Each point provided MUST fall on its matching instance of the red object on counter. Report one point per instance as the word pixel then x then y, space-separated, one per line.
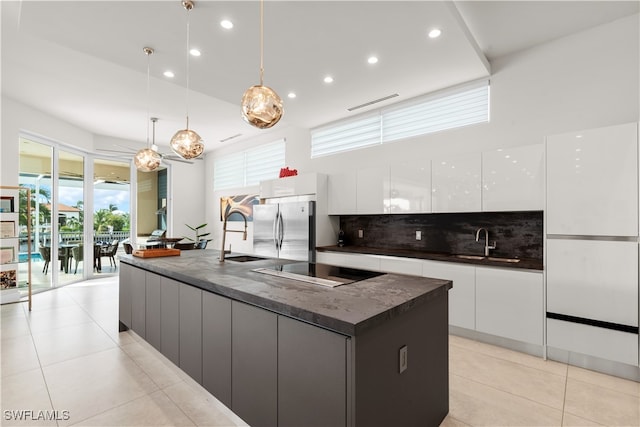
pixel 285 172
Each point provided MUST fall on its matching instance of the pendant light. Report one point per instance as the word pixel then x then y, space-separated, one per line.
pixel 147 159
pixel 187 143
pixel 261 105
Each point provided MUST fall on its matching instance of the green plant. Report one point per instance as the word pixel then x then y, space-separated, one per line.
pixel 199 236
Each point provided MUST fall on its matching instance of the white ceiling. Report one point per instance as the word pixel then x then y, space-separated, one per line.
pixel 82 61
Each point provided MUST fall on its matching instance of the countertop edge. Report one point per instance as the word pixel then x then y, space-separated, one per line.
pixel 524 264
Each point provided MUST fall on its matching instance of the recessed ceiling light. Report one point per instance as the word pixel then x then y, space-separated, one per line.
pixel 169 74
pixel 291 95
pixel 372 60
pixel 195 52
pixel 328 79
pixel 435 33
pixel 226 24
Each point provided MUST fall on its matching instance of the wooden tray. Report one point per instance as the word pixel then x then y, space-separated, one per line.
pixel 153 253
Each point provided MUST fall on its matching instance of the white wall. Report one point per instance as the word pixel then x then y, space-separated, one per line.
pixel 17 117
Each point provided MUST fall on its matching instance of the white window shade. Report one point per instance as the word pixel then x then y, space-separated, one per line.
pixel 447 109
pixel 249 167
pixel 264 162
pixel 355 133
pixel 453 108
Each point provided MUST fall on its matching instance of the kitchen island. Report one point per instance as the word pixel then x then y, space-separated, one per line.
pixel 282 352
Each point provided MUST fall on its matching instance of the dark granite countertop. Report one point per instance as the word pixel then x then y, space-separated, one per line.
pixel 349 309
pixel 524 263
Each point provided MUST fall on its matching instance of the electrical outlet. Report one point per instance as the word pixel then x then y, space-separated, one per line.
pixel 360 234
pixel 402 361
pixel 418 235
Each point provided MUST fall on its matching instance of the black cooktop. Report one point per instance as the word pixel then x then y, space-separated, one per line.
pixel 329 275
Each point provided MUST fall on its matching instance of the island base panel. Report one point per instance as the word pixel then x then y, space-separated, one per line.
pixel 420 395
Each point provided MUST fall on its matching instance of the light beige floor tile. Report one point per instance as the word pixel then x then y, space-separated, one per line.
pixel 153 363
pixel 603 405
pixel 503 353
pixel 14 326
pixel 571 420
pixel 11 310
pixel 54 298
pixel 55 318
pixel 603 380
pixel 92 384
pixel 155 409
pixel 530 383
pixel 18 355
pixel 70 342
pixel 480 405
pixel 25 391
pixel 202 407
pixel 449 421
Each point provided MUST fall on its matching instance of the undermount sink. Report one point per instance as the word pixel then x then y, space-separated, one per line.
pixel 474 257
pixel 512 260
pixel 488 258
pixel 243 258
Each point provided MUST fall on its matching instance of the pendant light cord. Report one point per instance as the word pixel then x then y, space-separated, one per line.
pixel 148 51
pixel 188 7
pixel 261 42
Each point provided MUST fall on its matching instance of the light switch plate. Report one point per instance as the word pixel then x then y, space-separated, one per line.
pixel 418 235
pixel 360 234
pixel 403 359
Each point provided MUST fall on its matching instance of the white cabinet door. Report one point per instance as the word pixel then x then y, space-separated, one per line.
pixel 593 279
pixel 594 341
pixel 362 261
pixel 513 179
pixel 509 303
pixel 455 185
pixel 372 190
pixel 342 193
pixel 462 297
pixel 290 186
pixel 400 265
pixel 592 182
pixel 410 187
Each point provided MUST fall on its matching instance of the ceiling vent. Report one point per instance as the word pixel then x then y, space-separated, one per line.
pixel 230 137
pixel 375 101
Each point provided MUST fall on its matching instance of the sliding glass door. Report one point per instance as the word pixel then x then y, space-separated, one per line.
pixel 80 212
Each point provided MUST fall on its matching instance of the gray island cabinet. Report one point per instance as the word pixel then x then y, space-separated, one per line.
pixel 280 352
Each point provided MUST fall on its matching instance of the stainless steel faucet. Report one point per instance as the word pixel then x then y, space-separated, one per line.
pixel 225 231
pixel 486 241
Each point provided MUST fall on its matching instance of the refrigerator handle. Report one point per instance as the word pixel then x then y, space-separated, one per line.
pixel 275 231
pixel 280 229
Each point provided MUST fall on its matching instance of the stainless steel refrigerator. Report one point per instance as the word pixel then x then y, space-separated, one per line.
pixel 285 230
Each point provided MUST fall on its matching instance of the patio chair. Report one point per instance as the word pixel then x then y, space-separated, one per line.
pixel 110 252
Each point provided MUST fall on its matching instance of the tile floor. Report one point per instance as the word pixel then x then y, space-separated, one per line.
pixel 67 356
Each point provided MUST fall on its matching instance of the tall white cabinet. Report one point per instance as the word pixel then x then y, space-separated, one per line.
pixel 592 242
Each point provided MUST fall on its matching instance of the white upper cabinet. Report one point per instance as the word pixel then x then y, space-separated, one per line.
pixel 372 194
pixel 592 182
pixel 456 184
pixel 513 179
pixel 410 188
pixel 290 186
pixel 342 189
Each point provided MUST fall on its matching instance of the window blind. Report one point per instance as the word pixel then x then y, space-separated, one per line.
pixel 249 167
pixel 447 109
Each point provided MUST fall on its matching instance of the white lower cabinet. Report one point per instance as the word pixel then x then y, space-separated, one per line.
pixel 364 262
pixel 398 265
pixel 509 304
pixel 462 297
pixel 604 343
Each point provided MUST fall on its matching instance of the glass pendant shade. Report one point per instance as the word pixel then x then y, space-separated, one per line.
pixel 261 107
pixel 147 160
pixel 187 144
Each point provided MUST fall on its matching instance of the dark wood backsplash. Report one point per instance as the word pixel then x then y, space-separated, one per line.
pixel 517 234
